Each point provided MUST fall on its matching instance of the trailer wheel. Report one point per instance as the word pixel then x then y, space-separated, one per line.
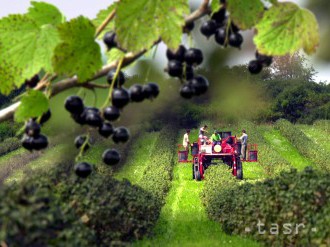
pixel 239 171
pixel 198 176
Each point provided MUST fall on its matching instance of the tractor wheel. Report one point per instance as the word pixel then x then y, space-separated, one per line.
pixel 193 171
pixel 198 176
pixel 239 170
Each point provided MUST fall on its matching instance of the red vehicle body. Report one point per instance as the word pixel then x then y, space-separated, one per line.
pixel 205 155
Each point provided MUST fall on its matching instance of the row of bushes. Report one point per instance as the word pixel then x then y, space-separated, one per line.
pixel 158 173
pixel 305 145
pixel 57 208
pixel 323 125
pixel 271 161
pixel 9 145
pixel 290 210
pixel 9 129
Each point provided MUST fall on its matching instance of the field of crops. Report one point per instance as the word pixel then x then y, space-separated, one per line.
pixel 184 210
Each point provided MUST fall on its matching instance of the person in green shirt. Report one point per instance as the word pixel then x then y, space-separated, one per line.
pixel 215 138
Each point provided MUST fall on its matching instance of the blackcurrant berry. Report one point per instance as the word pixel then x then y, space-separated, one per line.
pixel 111 113
pixel 32 128
pixel 220 36
pixel 106 130
pixel 91 110
pixel 200 84
pixel 208 28
pixel 189 73
pixel 45 117
pixel 189 27
pixel 79 142
pixel 74 104
pixel 33 81
pixel 120 97
pixel 175 68
pixel 264 59
pixel 120 80
pixel 147 91
pixel 93 118
pixel 110 40
pixel 187 91
pixel 176 55
pixel 255 67
pixel 79 118
pixel 40 142
pixel 155 89
pixel 121 134
pixel 136 92
pixel 219 16
pixel 83 169
pixel 193 56
pixel 27 142
pixel 234 28
pixel 111 157
pixel 235 40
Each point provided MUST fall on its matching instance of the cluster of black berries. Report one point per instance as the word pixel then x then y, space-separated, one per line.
pixel 92 116
pixel 181 64
pixel 32 139
pixel 225 33
pixel 255 66
pixel 95 118
pixel 136 93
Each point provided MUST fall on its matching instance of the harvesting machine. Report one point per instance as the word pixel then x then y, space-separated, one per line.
pixel 225 152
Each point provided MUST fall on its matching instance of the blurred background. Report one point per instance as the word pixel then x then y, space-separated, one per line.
pixel 295 87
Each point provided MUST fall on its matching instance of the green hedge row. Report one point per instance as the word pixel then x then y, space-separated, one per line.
pixel 9 145
pixel 323 125
pixel 305 145
pixel 59 209
pixel 158 174
pixel 271 161
pixel 8 129
pixel 290 210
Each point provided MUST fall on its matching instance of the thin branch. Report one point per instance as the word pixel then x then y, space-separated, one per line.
pixel 200 12
pixel 105 23
pixel 8 113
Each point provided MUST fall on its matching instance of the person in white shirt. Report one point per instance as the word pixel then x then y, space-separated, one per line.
pixel 244 139
pixel 186 141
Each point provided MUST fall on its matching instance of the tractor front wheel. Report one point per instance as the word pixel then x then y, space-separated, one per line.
pixel 239 171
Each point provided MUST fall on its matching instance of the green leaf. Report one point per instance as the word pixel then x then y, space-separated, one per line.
pixel 272 1
pixel 115 55
pixel 8 75
pixel 26 46
pixel 44 13
pixel 245 14
pixel 215 6
pixel 140 23
pixel 286 28
pixel 101 16
pixel 78 53
pixel 33 104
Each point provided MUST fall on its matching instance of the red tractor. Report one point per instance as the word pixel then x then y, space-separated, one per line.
pixel 227 151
